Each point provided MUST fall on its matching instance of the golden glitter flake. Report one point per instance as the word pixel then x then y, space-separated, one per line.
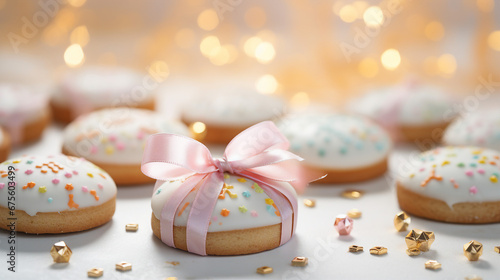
pixel 378 250
pixel 432 264
pixel 402 221
pixel 123 266
pixel 352 194
pixel 264 270
pixel 131 227
pixel 95 272
pixel 413 252
pixel 310 203
pixel 473 250
pixel 355 249
pixel 299 261
pixel 174 263
pixel 420 239
pixel 354 213
pixel 60 252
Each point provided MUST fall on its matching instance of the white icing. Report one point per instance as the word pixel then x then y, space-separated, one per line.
pixel 103 87
pixel 116 135
pixel 233 107
pixel 258 213
pixel 467 166
pixel 480 129
pixel 20 104
pixel 422 105
pixel 76 171
pixel 336 141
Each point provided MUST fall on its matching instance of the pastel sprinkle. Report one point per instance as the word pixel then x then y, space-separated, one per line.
pixel 55 181
pixel 480 171
pixel 445 163
pixel 28 172
pixel 269 201
pixel 242 180
pixel 94 193
pixel 343 150
pixel 412 175
pixel 16 161
pixel 158 191
pixel 100 186
pixel 110 150
pixel 242 209
pixel 493 179
pixel 42 189
pixel 224 212
pixel 94 150
pixel 469 173
pixel 257 188
pixel 246 194
pixel 2 185
pixel 29 185
pixel 29 162
pixel 461 164
pixel 50 199
pixel 321 152
pixel 112 138
pixel 120 146
pixel 473 190
pixel 473 165
pixel 254 213
pixel 215 218
pixel 422 169
pixel 75 172
pixel 68 187
pixel 90 175
pixel 85 189
pixel 67 175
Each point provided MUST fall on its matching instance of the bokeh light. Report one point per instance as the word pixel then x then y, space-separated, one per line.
pixel 264 53
pixel 391 59
pixel 74 56
pixel 368 67
pixel 434 31
pixel 208 20
pixel 373 16
pixel 447 64
pixel 80 36
pixel 494 40
pixel 266 84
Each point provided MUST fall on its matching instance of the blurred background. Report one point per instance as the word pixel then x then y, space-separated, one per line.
pixel 306 51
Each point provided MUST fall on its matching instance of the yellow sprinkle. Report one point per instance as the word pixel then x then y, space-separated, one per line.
pixel 16 161
pixel 477 152
pixel 434 165
pixel 110 150
pixel 482 161
pixel 445 163
pixel 90 175
pixel 412 175
pixel 241 180
pixel 493 179
pixel 104 140
pixel 269 201
pixel 226 176
pixel 42 189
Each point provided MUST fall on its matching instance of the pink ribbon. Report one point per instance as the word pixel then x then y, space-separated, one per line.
pixel 259 153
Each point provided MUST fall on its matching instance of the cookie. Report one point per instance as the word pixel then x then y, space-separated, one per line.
pixel 94 88
pixel 348 148
pixel 4 145
pixel 54 194
pixel 453 184
pixel 227 112
pixel 245 219
pixel 481 129
pixel 114 140
pixel 24 112
pixel 410 111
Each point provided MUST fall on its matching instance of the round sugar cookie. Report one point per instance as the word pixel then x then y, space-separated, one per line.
pixel 54 194
pixel 453 184
pixel 347 148
pixel 114 140
pixel 245 219
pixel 97 87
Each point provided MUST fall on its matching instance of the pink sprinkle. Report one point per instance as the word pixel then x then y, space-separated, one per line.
pixel 214 219
pixel 75 172
pixel 94 150
pixel 55 181
pixel 2 185
pixel 112 138
pixel 28 172
pixel 469 173
pixel 254 213
pixel 422 169
pixel 67 175
pixel 100 186
pixel 120 146
pixel 473 190
pixel 85 189
pixel 480 171
pixel 140 135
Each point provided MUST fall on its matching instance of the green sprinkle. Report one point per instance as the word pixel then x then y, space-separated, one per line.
pixel 242 209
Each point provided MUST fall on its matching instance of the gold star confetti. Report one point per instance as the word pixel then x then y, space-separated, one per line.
pixel 497 249
pixel 95 272
pixel 378 250
pixel 432 264
pixel 299 261
pixel 310 203
pixel 473 250
pixel 60 252
pixel 174 263
pixel 355 248
pixel 413 252
pixel 352 194
pixel 123 266
pixel 264 270
pixel 420 239
pixel 131 227
pixel 402 221
pixel 354 213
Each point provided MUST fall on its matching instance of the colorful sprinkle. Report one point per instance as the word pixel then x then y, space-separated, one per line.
pixel 90 175
pixel 16 161
pixel 224 212
pixel 71 203
pixel 254 213
pixel 75 172
pixel 242 209
pixel 55 181
pixel 68 175
pixel 50 199
pixel 494 179
pixel 28 172
pixel 473 190
pixel 321 152
pixel 42 189
pixel 469 173
pixel 94 150
pixel 112 138
pixel 182 209
pixel 110 150
pixel 2 185
pixel 242 180
pixel 473 165
pixel 157 192
pixel 85 189
pixel 455 185
pixel 269 201
pixel 29 162
pixel 29 185
pixel 226 176
pixel 257 188
pixel 432 176
pixel 94 193
pixel 343 150
pixel 246 194
pixel 445 163
pixel 461 164
pixel 480 171
pixel 120 146
pixel 68 187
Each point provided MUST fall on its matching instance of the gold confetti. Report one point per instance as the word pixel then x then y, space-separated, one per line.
pixel 264 270
pixel 378 250
pixel 354 213
pixel 355 248
pixel 309 203
pixel 413 252
pixel 432 264
pixel 131 227
pixel 402 221
pixel 60 252
pixel 174 263
pixel 95 272
pixel 497 249
pixel 352 194
pixel 299 261
pixel 123 266
pixel 420 239
pixel 473 250
pixel 473 277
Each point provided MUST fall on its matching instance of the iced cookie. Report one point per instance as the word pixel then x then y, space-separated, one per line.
pixel 226 113
pixel 24 112
pixel 54 194
pixel 245 219
pixel 4 145
pixel 348 148
pixel 481 129
pixel 410 111
pixel 95 88
pixel 453 184
pixel 114 140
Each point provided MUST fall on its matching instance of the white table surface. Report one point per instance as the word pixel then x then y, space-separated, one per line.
pixel 315 238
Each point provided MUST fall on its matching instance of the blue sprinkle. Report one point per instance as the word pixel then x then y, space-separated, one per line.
pixel 321 152
pixel 29 162
pixel 310 144
pixel 158 191
pixel 270 209
pixel 343 150
pixel 246 194
pixel 473 165
pixel 50 199
pixel 360 146
pixel 379 146
pixel 475 157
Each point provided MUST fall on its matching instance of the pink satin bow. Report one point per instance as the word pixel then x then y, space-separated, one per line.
pixel 258 153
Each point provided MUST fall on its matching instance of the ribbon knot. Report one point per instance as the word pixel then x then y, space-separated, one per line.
pixel 223 165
